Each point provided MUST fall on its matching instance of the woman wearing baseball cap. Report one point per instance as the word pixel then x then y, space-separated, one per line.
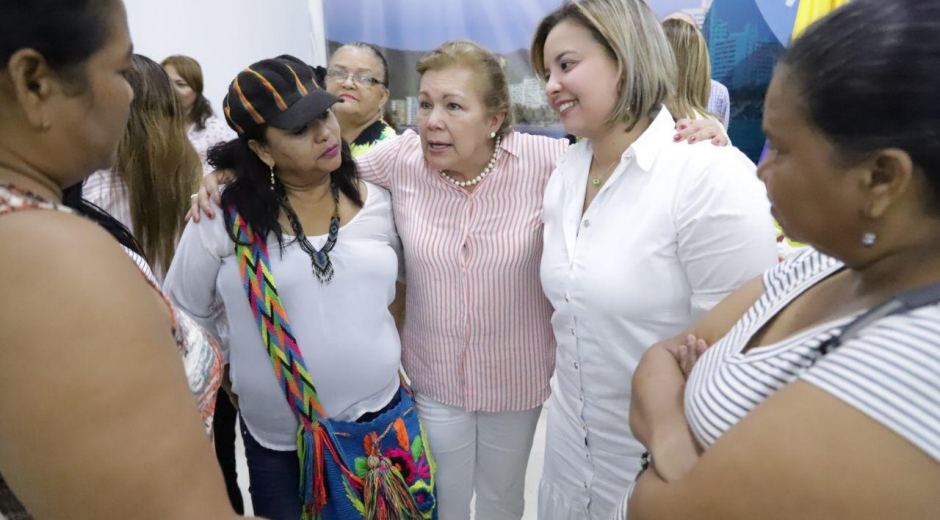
pixel 305 263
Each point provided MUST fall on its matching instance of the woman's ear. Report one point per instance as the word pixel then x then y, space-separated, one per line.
pixel 385 96
pixel 34 84
pixel 261 150
pixel 496 121
pixel 887 180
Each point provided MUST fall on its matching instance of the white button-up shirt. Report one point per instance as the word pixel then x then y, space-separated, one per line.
pixel 675 229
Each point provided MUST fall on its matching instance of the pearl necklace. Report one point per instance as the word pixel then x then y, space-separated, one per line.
pixel 486 171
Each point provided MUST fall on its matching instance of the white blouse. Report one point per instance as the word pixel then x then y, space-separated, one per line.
pixel 675 229
pixel 105 189
pixel 216 131
pixel 344 329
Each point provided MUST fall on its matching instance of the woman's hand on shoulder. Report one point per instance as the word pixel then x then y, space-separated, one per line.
pixel 209 191
pixel 701 130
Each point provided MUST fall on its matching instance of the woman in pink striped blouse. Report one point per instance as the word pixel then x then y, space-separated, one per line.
pixel 477 344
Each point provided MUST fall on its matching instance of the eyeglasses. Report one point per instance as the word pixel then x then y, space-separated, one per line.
pixel 340 76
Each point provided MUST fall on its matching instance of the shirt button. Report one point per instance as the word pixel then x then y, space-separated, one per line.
pixel 572 331
pixel 581 397
pixel 567 297
pixel 587 223
pixel 576 365
pixel 585 485
pixel 628 156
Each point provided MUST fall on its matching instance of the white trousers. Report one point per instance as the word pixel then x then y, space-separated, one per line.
pixel 484 452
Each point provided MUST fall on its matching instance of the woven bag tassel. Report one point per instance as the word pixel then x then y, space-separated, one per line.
pixel 312 470
pixel 385 494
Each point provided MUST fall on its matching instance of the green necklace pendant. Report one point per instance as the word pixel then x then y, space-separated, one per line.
pixel 596 182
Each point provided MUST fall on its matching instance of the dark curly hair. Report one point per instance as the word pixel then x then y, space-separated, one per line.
pixel 251 191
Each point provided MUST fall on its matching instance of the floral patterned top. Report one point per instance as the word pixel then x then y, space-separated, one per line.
pixel 199 351
pixel 371 136
pixel 216 131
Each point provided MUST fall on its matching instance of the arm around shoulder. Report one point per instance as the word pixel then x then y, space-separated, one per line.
pixel 380 164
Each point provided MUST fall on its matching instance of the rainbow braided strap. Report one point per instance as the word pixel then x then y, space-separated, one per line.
pixel 383 492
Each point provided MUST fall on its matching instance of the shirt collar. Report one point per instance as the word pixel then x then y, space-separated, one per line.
pixel 659 134
pixel 647 147
pixel 511 143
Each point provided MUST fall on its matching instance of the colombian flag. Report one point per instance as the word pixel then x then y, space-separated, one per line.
pixel 812 10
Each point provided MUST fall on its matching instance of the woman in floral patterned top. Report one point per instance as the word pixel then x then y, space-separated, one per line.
pixel 358 73
pixel 94 405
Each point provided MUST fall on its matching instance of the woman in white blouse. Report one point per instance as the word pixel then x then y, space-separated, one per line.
pixel 297 186
pixel 203 127
pixel 642 236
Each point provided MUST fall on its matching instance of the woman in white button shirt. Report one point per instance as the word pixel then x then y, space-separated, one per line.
pixel 642 236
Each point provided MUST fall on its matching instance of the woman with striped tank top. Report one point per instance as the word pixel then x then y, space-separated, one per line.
pixel 787 414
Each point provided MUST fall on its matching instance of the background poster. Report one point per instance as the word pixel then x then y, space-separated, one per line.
pixel 744 38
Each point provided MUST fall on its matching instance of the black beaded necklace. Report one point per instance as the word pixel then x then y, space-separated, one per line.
pixel 320 260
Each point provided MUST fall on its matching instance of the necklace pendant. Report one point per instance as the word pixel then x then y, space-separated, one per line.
pixel 596 182
pixel 322 266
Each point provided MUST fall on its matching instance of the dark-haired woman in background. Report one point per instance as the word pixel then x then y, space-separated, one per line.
pixel 792 425
pixel 203 127
pixel 335 262
pixel 358 73
pixel 94 405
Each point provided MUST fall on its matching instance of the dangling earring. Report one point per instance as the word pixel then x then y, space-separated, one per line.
pixel 868 239
pixel 492 135
pixel 272 177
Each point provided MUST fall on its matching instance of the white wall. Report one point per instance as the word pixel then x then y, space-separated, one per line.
pixel 226 36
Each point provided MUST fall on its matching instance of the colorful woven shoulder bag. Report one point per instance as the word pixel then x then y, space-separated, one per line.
pixel 377 470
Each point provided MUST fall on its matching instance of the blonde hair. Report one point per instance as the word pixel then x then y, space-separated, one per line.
pixel 468 54
pixel 156 162
pixel 694 70
pixel 630 33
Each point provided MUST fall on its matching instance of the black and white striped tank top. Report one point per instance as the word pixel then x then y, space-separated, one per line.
pixel 890 371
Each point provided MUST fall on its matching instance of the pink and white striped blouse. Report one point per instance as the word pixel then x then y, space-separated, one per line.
pixel 478 332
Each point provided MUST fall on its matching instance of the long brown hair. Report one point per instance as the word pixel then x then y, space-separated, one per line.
pixel 156 162
pixel 191 72
pixel 693 84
